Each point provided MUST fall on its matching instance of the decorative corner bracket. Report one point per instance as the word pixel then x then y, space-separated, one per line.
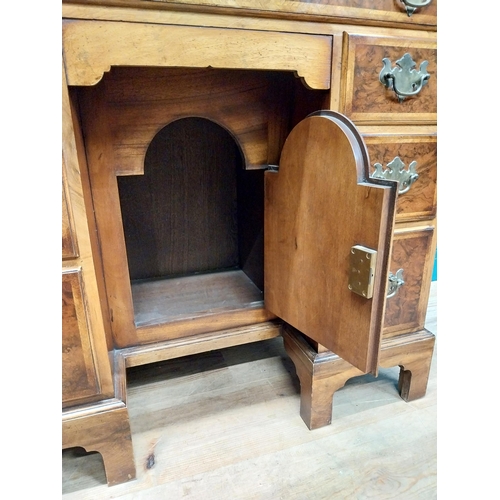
pixel 395 171
pixel 404 79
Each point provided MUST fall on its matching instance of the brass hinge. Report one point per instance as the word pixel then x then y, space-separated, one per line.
pixel 362 271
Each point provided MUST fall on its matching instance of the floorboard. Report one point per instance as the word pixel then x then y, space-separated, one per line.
pixel 226 424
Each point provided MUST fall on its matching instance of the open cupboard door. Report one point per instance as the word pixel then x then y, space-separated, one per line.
pixel 327 232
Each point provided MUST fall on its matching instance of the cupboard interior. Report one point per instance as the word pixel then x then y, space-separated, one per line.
pixel 193 225
pixel 193 212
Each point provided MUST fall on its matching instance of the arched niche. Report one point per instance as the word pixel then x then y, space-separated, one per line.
pixel 256 106
pixel 195 209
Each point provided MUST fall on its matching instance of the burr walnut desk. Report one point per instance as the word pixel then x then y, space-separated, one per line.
pixel 235 171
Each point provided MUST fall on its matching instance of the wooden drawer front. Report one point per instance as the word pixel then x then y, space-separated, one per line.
pixel 383 6
pixel 388 11
pixel 419 201
pixel 79 373
pixel 92 47
pixel 366 100
pixel 413 252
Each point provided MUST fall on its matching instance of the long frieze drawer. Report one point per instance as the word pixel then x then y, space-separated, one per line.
pixel 79 373
pixel 389 80
pixel 411 262
pixel 412 161
pixel 383 11
pixel 91 48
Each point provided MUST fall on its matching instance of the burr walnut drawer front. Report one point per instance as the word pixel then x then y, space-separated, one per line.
pixel 412 161
pixel 389 80
pixel 404 12
pixel 80 380
pixel 411 262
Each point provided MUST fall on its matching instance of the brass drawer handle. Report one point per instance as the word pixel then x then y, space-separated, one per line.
pixel 395 171
pixel 395 283
pixel 413 5
pixel 404 79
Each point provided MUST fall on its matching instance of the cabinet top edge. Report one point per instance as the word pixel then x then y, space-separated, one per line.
pixel 321 13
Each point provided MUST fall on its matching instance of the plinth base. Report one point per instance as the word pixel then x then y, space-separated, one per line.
pixel 321 374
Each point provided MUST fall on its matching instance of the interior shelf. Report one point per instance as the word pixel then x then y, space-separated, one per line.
pixel 189 297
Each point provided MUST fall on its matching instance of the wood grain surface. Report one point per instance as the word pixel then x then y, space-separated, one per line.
pixel 384 12
pixel 420 202
pixel 80 378
pixel 367 100
pixel 92 48
pixel 318 206
pixel 226 424
pixel 413 252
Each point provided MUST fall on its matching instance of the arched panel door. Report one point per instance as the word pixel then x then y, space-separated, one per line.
pixel 318 206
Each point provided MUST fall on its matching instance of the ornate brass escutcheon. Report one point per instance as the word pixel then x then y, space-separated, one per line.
pixel 413 5
pixel 395 283
pixel 362 274
pixel 395 171
pixel 404 79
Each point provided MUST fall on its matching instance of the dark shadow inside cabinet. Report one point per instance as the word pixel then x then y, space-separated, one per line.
pixel 183 151
pixel 193 224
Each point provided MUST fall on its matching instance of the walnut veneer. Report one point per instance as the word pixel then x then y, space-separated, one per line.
pixel 218 166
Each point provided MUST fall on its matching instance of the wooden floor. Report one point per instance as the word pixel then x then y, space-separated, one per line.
pixel 226 425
